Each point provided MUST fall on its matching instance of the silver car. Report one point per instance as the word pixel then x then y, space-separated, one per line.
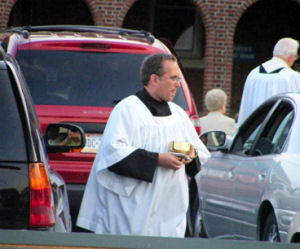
pixel 249 188
pixel 294 229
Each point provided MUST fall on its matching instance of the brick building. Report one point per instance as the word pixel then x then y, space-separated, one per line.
pixel 218 41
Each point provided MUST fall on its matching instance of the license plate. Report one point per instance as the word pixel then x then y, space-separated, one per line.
pixel 92 143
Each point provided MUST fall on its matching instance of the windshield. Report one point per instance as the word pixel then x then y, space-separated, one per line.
pixel 83 78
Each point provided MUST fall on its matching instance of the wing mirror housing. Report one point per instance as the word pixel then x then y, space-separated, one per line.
pixel 214 140
pixel 64 137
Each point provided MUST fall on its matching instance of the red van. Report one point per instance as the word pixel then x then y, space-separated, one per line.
pixel 76 74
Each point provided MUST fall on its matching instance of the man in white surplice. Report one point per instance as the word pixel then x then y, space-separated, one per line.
pixel 135 186
pixel 270 78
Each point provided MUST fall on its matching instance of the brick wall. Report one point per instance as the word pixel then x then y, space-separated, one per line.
pixel 220 18
pixel 5 9
pixel 109 12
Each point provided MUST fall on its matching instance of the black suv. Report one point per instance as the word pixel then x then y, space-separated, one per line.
pixel 32 196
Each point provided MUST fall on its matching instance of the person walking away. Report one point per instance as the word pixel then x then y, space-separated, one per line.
pixel 270 78
pixel 136 187
pixel 215 101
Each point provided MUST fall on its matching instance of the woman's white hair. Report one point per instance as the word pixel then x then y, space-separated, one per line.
pixel 215 99
pixel 286 47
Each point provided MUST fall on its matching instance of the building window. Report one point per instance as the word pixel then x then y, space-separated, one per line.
pixel 191 41
pixel 175 20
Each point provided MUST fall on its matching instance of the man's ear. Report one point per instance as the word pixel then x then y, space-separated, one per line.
pixel 154 78
pixel 291 60
pixel 223 108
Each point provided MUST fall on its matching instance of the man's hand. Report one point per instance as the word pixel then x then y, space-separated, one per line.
pixel 170 161
pixel 193 154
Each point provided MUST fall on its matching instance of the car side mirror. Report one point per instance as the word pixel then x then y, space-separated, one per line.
pixel 64 137
pixel 213 140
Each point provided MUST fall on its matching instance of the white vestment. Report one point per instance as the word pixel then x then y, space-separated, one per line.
pixel 261 86
pixel 114 204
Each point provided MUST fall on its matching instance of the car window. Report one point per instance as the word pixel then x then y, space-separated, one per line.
pixel 12 140
pixel 32 115
pixel 282 132
pixel 273 137
pixel 248 133
pixel 83 78
pixel 250 140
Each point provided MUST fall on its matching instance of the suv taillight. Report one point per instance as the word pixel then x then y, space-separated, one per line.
pixel 196 122
pixel 42 211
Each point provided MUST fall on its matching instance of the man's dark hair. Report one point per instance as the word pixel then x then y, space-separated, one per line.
pixel 153 64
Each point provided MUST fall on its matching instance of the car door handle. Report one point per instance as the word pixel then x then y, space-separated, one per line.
pixel 262 176
pixel 230 173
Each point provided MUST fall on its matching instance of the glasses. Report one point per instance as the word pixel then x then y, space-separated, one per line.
pixel 175 79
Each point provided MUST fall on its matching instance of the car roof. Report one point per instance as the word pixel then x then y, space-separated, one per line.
pixel 79 33
pixel 119 39
pixel 288 95
pixel 71 36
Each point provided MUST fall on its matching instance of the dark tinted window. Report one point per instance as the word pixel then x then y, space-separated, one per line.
pixel 83 78
pixel 12 142
pixel 276 131
pixel 32 116
pixel 246 138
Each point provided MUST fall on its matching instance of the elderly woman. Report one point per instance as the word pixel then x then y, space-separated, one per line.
pixel 215 101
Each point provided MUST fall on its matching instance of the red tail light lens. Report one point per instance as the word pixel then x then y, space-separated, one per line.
pixel 42 211
pixel 196 122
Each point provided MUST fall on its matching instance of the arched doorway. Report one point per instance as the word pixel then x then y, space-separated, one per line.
pixel 258 30
pixel 47 12
pixel 179 22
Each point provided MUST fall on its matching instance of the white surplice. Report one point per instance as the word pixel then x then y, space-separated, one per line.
pixel 114 204
pixel 261 86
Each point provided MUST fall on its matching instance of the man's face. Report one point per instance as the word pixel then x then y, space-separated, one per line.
pixel 169 81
